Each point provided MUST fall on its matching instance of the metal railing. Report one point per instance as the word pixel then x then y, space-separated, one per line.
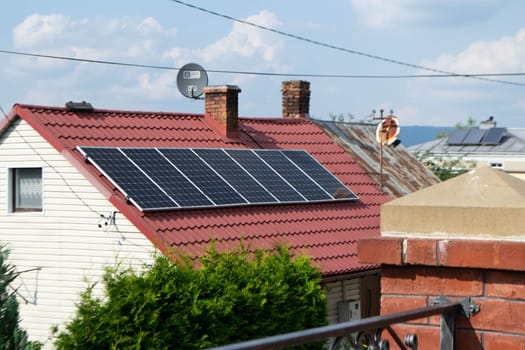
pixel 353 335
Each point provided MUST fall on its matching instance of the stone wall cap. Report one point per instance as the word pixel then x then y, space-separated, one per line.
pixel 482 187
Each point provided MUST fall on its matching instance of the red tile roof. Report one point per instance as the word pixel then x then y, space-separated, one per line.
pixel 327 232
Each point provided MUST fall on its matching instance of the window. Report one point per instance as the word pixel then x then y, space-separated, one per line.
pixel 26 189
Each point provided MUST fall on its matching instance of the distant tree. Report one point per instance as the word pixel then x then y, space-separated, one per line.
pixel 444 169
pixel 345 118
pixel 442 135
pixel 12 337
pixel 470 123
pixel 233 296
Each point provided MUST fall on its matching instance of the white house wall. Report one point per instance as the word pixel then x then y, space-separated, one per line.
pixel 63 247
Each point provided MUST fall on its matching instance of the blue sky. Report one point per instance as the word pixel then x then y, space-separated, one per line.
pixel 460 36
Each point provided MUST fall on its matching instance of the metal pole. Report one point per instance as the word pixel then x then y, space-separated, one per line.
pixel 447 327
pixel 381 161
pixel 381 136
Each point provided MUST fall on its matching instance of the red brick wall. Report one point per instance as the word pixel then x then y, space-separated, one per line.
pixel 419 270
pixel 222 109
pixel 295 98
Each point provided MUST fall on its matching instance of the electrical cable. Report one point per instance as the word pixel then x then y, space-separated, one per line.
pixel 307 75
pixel 343 49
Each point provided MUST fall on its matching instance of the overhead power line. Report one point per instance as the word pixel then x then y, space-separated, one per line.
pixel 343 49
pixel 306 75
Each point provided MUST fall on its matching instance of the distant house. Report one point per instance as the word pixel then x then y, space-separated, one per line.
pixel 66 211
pixel 401 172
pixel 486 145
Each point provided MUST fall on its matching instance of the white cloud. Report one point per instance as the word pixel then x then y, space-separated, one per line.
pixel 137 40
pixel 39 30
pixel 459 98
pixel 119 37
pixel 497 56
pixel 248 47
pixel 243 41
pixel 447 101
pixel 404 13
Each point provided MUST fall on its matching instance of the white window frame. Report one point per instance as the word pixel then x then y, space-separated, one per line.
pixel 9 190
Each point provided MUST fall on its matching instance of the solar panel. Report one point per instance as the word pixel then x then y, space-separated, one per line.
pixel 167 177
pixel 457 137
pixel 236 176
pixel 175 178
pixel 207 180
pixel 291 173
pixel 474 137
pixel 322 176
pixel 493 136
pixel 266 176
pixel 129 179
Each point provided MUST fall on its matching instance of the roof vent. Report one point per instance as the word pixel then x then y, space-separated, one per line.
pixel 79 106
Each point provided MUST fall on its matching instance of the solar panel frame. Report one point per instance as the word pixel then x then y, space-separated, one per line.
pixel 493 136
pixel 267 176
pixel 168 177
pixel 318 173
pixel 231 171
pixel 155 179
pixel 205 177
pixel 290 172
pixel 474 137
pixel 457 137
pixel 136 186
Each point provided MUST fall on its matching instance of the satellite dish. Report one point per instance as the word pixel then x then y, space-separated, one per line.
pixel 191 79
pixel 388 130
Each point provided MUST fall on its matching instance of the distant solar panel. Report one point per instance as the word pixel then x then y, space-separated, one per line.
pixel 174 178
pixel 493 136
pixel 457 137
pixel 474 137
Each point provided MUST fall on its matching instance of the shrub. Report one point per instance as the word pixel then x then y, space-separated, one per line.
pixel 233 296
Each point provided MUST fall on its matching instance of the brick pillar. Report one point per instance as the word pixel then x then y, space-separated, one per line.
pixel 296 99
pixel 414 271
pixel 222 109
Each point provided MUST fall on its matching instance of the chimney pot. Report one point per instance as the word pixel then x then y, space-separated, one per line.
pixel 295 99
pixel 222 109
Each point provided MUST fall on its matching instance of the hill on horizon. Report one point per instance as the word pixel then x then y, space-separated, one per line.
pixel 415 134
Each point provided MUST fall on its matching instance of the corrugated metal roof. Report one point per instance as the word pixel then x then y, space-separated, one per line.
pixel 402 172
pixel 328 232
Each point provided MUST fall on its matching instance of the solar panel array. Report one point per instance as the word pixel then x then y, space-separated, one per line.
pixel 178 178
pixel 476 137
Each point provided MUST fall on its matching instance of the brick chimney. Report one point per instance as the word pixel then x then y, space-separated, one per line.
pixel 222 109
pixel 296 99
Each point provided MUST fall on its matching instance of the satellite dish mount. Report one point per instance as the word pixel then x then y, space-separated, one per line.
pixel 191 80
pixel 387 132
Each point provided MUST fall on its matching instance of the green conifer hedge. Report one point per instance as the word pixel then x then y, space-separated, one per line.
pixel 231 297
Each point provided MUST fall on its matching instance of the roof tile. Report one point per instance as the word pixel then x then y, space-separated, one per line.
pixel 327 232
